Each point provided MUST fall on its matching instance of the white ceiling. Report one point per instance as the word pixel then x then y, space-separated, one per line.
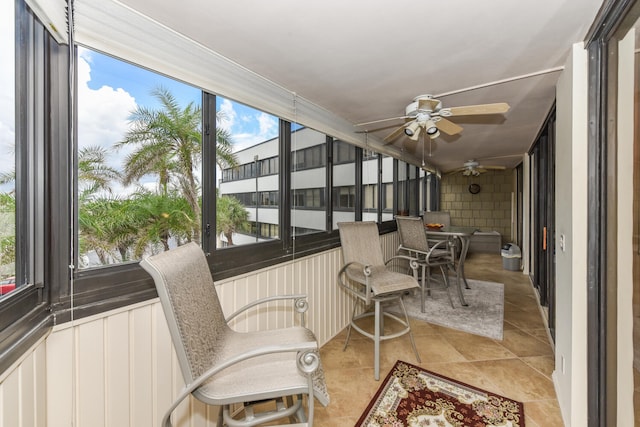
pixel 367 60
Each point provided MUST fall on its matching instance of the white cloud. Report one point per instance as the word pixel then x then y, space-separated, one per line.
pixel 103 116
pixel 268 125
pixel 103 113
pixel 228 115
pixel 248 129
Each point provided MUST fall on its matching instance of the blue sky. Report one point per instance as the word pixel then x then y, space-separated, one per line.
pixel 106 71
pixel 107 77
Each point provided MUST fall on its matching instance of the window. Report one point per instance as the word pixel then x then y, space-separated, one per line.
pixel 247 153
pixel 7 151
pixel 138 161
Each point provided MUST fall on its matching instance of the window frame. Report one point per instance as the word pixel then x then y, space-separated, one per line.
pixel 25 315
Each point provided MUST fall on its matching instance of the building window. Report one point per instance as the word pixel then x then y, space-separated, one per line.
pixel 344 198
pixel 308 198
pixel 343 152
pixel 309 158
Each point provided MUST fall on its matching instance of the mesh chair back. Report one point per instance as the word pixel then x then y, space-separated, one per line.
pixel 361 243
pixel 412 234
pixel 191 306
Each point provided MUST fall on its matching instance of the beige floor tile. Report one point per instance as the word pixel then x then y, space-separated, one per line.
pixel 474 347
pixel 523 344
pixel 517 380
pixel 464 372
pixel 543 364
pixel 544 413
pixel 524 319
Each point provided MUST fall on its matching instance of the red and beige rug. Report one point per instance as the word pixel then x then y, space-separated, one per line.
pixel 412 396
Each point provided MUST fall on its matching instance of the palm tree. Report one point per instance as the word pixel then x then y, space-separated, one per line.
pixel 7 230
pixel 160 219
pixel 109 227
pixel 94 172
pixel 224 145
pixel 169 145
pixel 231 215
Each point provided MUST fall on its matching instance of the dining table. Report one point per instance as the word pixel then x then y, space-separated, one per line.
pixel 463 235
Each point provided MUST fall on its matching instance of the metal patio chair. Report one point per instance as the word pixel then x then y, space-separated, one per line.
pixel 366 276
pixel 223 367
pixel 428 254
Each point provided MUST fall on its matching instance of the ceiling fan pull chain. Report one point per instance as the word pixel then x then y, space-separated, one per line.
pixel 423 150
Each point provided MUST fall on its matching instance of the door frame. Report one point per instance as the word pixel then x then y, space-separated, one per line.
pixel 614 20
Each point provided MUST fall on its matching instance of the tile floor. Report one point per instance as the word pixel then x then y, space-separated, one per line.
pixel 518 367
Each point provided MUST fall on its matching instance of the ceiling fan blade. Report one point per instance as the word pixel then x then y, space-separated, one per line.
pixel 451 172
pixel 428 104
pixel 471 110
pixel 395 134
pixel 448 126
pixel 381 120
pixel 494 168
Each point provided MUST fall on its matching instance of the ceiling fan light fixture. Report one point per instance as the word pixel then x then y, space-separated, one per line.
pixel 431 128
pixel 412 128
pixel 416 134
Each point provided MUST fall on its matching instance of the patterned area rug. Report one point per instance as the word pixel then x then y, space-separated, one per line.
pixel 413 397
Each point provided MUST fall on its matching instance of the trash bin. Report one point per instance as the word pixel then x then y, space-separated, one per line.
pixel 511 256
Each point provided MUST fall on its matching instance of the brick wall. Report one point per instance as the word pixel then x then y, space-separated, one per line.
pixel 488 210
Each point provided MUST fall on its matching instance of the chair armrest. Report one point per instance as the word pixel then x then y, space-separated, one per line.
pixel 306 362
pixel 440 245
pixel 413 261
pixel 366 269
pixel 299 303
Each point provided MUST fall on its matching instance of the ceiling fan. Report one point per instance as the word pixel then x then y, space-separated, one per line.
pixel 426 114
pixel 473 168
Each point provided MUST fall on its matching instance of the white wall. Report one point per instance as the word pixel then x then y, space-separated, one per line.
pixel 626 90
pixel 570 375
